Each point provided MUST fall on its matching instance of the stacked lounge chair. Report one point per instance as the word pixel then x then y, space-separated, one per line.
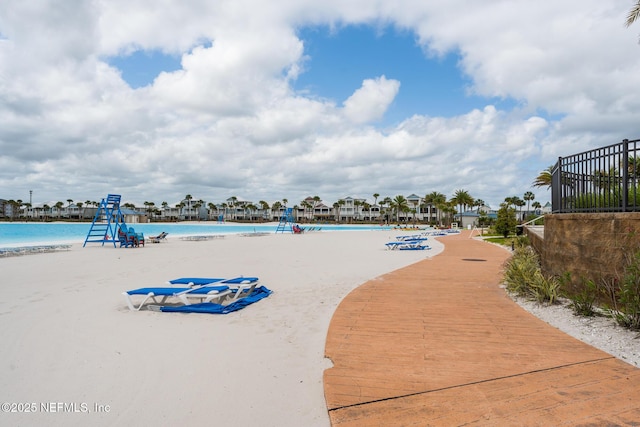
pixel 408 243
pixel 186 290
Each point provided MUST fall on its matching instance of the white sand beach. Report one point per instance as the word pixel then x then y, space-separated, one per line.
pixel 71 345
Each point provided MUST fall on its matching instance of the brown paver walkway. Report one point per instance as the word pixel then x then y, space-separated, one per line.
pixel 440 343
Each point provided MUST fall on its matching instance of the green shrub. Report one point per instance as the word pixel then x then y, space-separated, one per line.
pixel 520 270
pixel 583 302
pixel 606 199
pixel 505 221
pixel 597 200
pixel 627 309
pixel 522 276
pixel 521 242
pixel 545 288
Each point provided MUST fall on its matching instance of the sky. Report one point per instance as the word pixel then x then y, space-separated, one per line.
pixel 295 98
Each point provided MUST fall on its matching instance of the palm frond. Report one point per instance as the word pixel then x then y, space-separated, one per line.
pixel 634 14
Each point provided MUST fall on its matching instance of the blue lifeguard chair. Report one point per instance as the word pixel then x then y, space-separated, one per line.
pixel 286 221
pixel 106 222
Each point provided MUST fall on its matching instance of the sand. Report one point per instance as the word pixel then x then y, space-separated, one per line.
pixel 73 353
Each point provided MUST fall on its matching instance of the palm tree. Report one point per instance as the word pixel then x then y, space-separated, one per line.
pixel 634 14
pixel 265 208
pixel 148 206
pixel 316 202
pixel 632 166
pixel 336 207
pixel 536 205
pixel 15 206
pixel 366 206
pixel 164 207
pixel 212 207
pixel 27 206
pixel 251 208
pixel 414 210
pixel 510 201
pixel 224 207
pixel 449 209
pixel 232 205
pixel 58 207
pixel 544 178
pixel 305 205
pixel 179 206
pixel 400 204
pixel 528 197
pixel 516 202
pixel 436 199
pixel 462 199
pixel 197 206
pixel 356 210
pixel 188 198
pixel 87 203
pixel 276 207
pixel 341 203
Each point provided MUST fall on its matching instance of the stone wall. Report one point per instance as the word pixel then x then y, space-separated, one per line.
pixel 591 246
pixel 535 239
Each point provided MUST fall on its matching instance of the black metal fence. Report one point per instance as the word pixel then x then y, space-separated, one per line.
pixel 601 180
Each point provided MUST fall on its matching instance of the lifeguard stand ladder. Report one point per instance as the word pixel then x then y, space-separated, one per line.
pixel 286 221
pixel 106 222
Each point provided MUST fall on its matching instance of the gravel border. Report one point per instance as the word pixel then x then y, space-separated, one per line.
pixel 598 331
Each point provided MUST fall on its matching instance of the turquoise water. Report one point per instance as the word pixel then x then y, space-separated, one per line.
pixel 25 234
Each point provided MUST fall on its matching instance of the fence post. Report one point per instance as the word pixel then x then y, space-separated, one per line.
pixel 625 174
pixel 556 190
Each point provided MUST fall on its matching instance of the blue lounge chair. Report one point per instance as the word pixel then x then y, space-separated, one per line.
pixel 413 246
pixel 213 308
pixel 411 237
pixel 202 289
pixel 183 294
pixel 407 245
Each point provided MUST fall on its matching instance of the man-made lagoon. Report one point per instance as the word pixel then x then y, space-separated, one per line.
pixel 14 234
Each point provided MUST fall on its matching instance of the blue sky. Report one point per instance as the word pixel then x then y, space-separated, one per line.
pixel 340 59
pixel 141 67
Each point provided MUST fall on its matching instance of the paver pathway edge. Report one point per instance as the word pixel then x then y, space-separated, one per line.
pixel 440 343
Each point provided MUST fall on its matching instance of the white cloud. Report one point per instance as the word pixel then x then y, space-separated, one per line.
pixel 229 123
pixel 371 101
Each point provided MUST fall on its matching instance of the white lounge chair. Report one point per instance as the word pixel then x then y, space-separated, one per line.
pixel 200 289
pixel 206 293
pixel 239 286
